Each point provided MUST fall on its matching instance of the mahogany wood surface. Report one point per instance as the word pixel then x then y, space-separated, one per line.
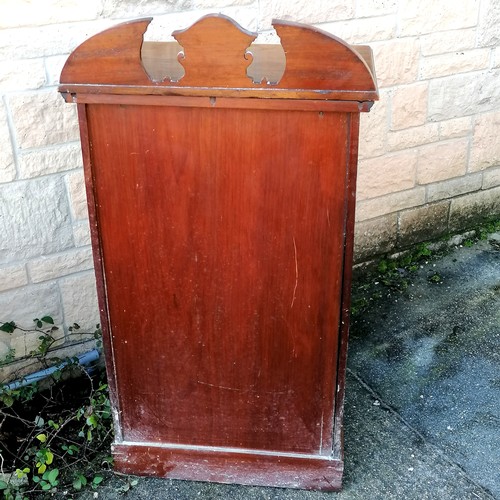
pixel 218 253
pixel 222 211
pixel 215 58
pixel 229 466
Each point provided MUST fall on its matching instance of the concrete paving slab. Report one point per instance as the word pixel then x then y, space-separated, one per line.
pixel 433 355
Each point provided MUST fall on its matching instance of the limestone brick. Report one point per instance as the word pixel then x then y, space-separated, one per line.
pixel 43 118
pixel 22 74
pixel 394 202
pixel 15 13
pixel 464 94
pixel 78 198
pixel 53 68
pixel 314 11
pixel 427 16
pixel 116 9
pixel 24 343
pixel 12 276
pixel 489 24
pixel 367 8
pixel 386 174
pixel 79 300
pixel 357 31
pixel 49 40
pixel 21 305
pixel 440 161
pixel 412 137
pixel 491 178
pixel 423 223
pixel 409 106
pixel 33 163
pixel 485 150
pixel 456 127
pixel 81 233
pixel 454 62
pixel 375 237
pixel 397 61
pixel 219 4
pixel 54 266
pixel 454 187
pixel 466 211
pixel 34 215
pixel 7 165
pixel 164 24
pixel 443 42
pixel 373 129
pixel 4 351
pixel 496 57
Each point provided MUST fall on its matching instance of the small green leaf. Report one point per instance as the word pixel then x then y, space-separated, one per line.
pixel 8 327
pixel 53 476
pixel 39 421
pixel 21 473
pixel 3 485
pixel 42 438
pixel 46 486
pixel 53 424
pixel 48 319
pixel 97 480
pixel 92 421
pixel 79 482
pixel 41 469
pixel 7 400
pixel 49 458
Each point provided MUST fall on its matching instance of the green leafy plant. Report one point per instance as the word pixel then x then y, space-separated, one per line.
pixel 55 437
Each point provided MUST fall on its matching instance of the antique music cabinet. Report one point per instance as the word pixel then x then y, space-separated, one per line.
pixel 220 183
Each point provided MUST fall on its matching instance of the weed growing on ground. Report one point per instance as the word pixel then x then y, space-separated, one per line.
pixel 394 275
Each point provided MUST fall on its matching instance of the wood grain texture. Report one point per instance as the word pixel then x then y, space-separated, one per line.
pixel 227 103
pixel 225 466
pixel 215 53
pixel 232 276
pixel 216 56
pixel 110 57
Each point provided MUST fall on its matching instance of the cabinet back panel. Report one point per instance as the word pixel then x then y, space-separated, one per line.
pixel 222 234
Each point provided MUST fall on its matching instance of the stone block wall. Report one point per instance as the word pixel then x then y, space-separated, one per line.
pixel 429 152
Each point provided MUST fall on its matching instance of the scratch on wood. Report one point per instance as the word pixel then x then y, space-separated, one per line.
pixel 296 272
pixel 321 433
pixel 219 386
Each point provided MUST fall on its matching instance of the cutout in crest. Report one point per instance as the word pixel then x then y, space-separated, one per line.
pixel 269 61
pixel 159 53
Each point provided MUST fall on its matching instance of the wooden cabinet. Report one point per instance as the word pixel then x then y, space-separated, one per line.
pixel 221 213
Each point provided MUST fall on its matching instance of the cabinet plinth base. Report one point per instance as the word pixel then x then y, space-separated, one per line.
pixel 230 466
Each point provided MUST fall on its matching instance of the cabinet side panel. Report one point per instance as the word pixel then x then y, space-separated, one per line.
pixel 98 267
pixel 350 201
pixel 222 238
